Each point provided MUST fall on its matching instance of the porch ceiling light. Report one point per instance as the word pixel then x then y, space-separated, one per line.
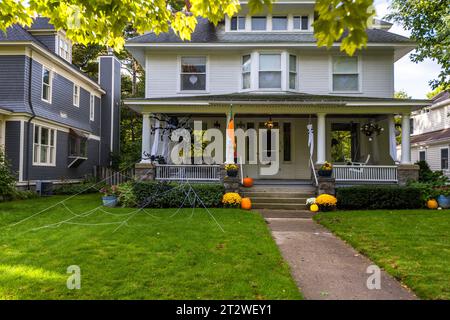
pixel 269 124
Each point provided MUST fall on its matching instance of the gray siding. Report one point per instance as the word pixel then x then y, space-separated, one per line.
pixel 48 40
pixel 12 145
pixel 13 83
pixel 61 171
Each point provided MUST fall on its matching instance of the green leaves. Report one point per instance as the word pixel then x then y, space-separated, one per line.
pixel 346 19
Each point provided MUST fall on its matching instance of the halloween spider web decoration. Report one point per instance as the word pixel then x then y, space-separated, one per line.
pixel 185 186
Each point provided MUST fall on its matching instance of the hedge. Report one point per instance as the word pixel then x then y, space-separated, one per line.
pixel 153 194
pixel 378 197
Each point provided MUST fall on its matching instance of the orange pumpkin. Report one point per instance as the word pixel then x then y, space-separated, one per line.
pixel 246 203
pixel 248 182
pixel 432 204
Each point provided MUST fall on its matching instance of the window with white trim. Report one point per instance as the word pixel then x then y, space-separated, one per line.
pixel 292 72
pixel 246 71
pixel 444 159
pixel 76 95
pixel 270 71
pixel 279 23
pixel 237 23
pixel 46 85
pixel 422 155
pixel 44 146
pixel 193 73
pixel 345 72
pixel 301 22
pixel 64 49
pixel 259 23
pixel 92 107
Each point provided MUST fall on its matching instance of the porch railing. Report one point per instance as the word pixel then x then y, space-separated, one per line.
pixel 169 172
pixel 365 173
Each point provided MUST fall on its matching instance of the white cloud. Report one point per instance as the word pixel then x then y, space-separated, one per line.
pixel 409 76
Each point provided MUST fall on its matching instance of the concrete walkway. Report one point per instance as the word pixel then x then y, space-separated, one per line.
pixel 325 267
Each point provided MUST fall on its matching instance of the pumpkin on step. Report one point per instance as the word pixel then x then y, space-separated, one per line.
pixel 246 203
pixel 248 182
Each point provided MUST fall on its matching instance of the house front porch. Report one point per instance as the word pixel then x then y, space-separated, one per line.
pixel 357 135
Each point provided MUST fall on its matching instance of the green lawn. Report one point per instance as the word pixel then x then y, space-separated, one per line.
pixel 413 245
pixel 157 255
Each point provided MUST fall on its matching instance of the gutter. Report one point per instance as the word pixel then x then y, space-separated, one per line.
pixel 30 103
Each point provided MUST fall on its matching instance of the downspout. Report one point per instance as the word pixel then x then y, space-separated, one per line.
pixel 30 103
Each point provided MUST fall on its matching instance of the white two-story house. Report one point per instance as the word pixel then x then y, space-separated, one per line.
pixel 267 69
pixel 430 134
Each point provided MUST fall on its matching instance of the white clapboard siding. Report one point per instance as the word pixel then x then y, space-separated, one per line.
pixel 314 72
pixel 435 119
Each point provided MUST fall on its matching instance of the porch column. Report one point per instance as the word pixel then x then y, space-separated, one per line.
pixel 145 138
pixel 392 139
pixel 321 138
pixel 229 144
pixel 406 144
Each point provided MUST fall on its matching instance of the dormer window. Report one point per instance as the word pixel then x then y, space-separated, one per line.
pixel 301 22
pixel 270 71
pixel 259 23
pixel 237 23
pixel 279 23
pixel 64 50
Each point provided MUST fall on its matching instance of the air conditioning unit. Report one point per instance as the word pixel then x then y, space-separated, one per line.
pixel 44 188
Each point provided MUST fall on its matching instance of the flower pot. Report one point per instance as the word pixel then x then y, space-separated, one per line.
pixel 109 201
pixel 325 173
pixel 444 202
pixel 232 173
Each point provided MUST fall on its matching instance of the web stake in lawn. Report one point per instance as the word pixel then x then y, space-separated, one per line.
pixel 190 195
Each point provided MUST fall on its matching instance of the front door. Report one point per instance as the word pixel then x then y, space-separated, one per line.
pixel 285 156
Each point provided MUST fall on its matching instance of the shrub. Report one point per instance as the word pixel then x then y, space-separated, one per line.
pixel 428 176
pixel 326 202
pixel 379 197
pixel 231 200
pixel 152 194
pixel 7 180
pixel 79 188
pixel 127 198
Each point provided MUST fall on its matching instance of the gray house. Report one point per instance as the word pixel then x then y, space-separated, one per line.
pixel 55 122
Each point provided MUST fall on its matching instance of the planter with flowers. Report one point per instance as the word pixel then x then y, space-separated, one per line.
pixel 326 170
pixel 326 202
pixel 232 170
pixel 231 200
pixel 110 195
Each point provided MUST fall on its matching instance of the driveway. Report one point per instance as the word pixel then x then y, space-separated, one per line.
pixel 324 266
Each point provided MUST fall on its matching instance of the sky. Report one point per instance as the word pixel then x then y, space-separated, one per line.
pixel 409 76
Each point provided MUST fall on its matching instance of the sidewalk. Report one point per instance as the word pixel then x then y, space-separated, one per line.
pixel 325 267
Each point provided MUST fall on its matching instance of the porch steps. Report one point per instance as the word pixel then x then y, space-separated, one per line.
pixel 274 197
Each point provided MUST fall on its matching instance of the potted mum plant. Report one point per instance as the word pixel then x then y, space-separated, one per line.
pixel 232 170
pixel 110 195
pixel 326 170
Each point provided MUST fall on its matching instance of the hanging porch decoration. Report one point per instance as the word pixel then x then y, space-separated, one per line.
pixel 371 129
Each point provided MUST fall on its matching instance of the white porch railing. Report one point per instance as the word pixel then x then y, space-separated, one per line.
pixel 170 172
pixel 365 173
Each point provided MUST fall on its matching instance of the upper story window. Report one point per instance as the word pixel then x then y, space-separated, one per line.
pixel 246 71
pixel 64 49
pixel 76 95
pixel 193 74
pixel 270 71
pixel 259 23
pixel 92 107
pixel 279 23
pixel 46 85
pixel 292 72
pixel 345 74
pixel 301 22
pixel 44 147
pixel 237 23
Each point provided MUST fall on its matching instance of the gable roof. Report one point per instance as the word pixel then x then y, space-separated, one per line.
pixel 206 32
pixel 41 23
pixel 432 136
